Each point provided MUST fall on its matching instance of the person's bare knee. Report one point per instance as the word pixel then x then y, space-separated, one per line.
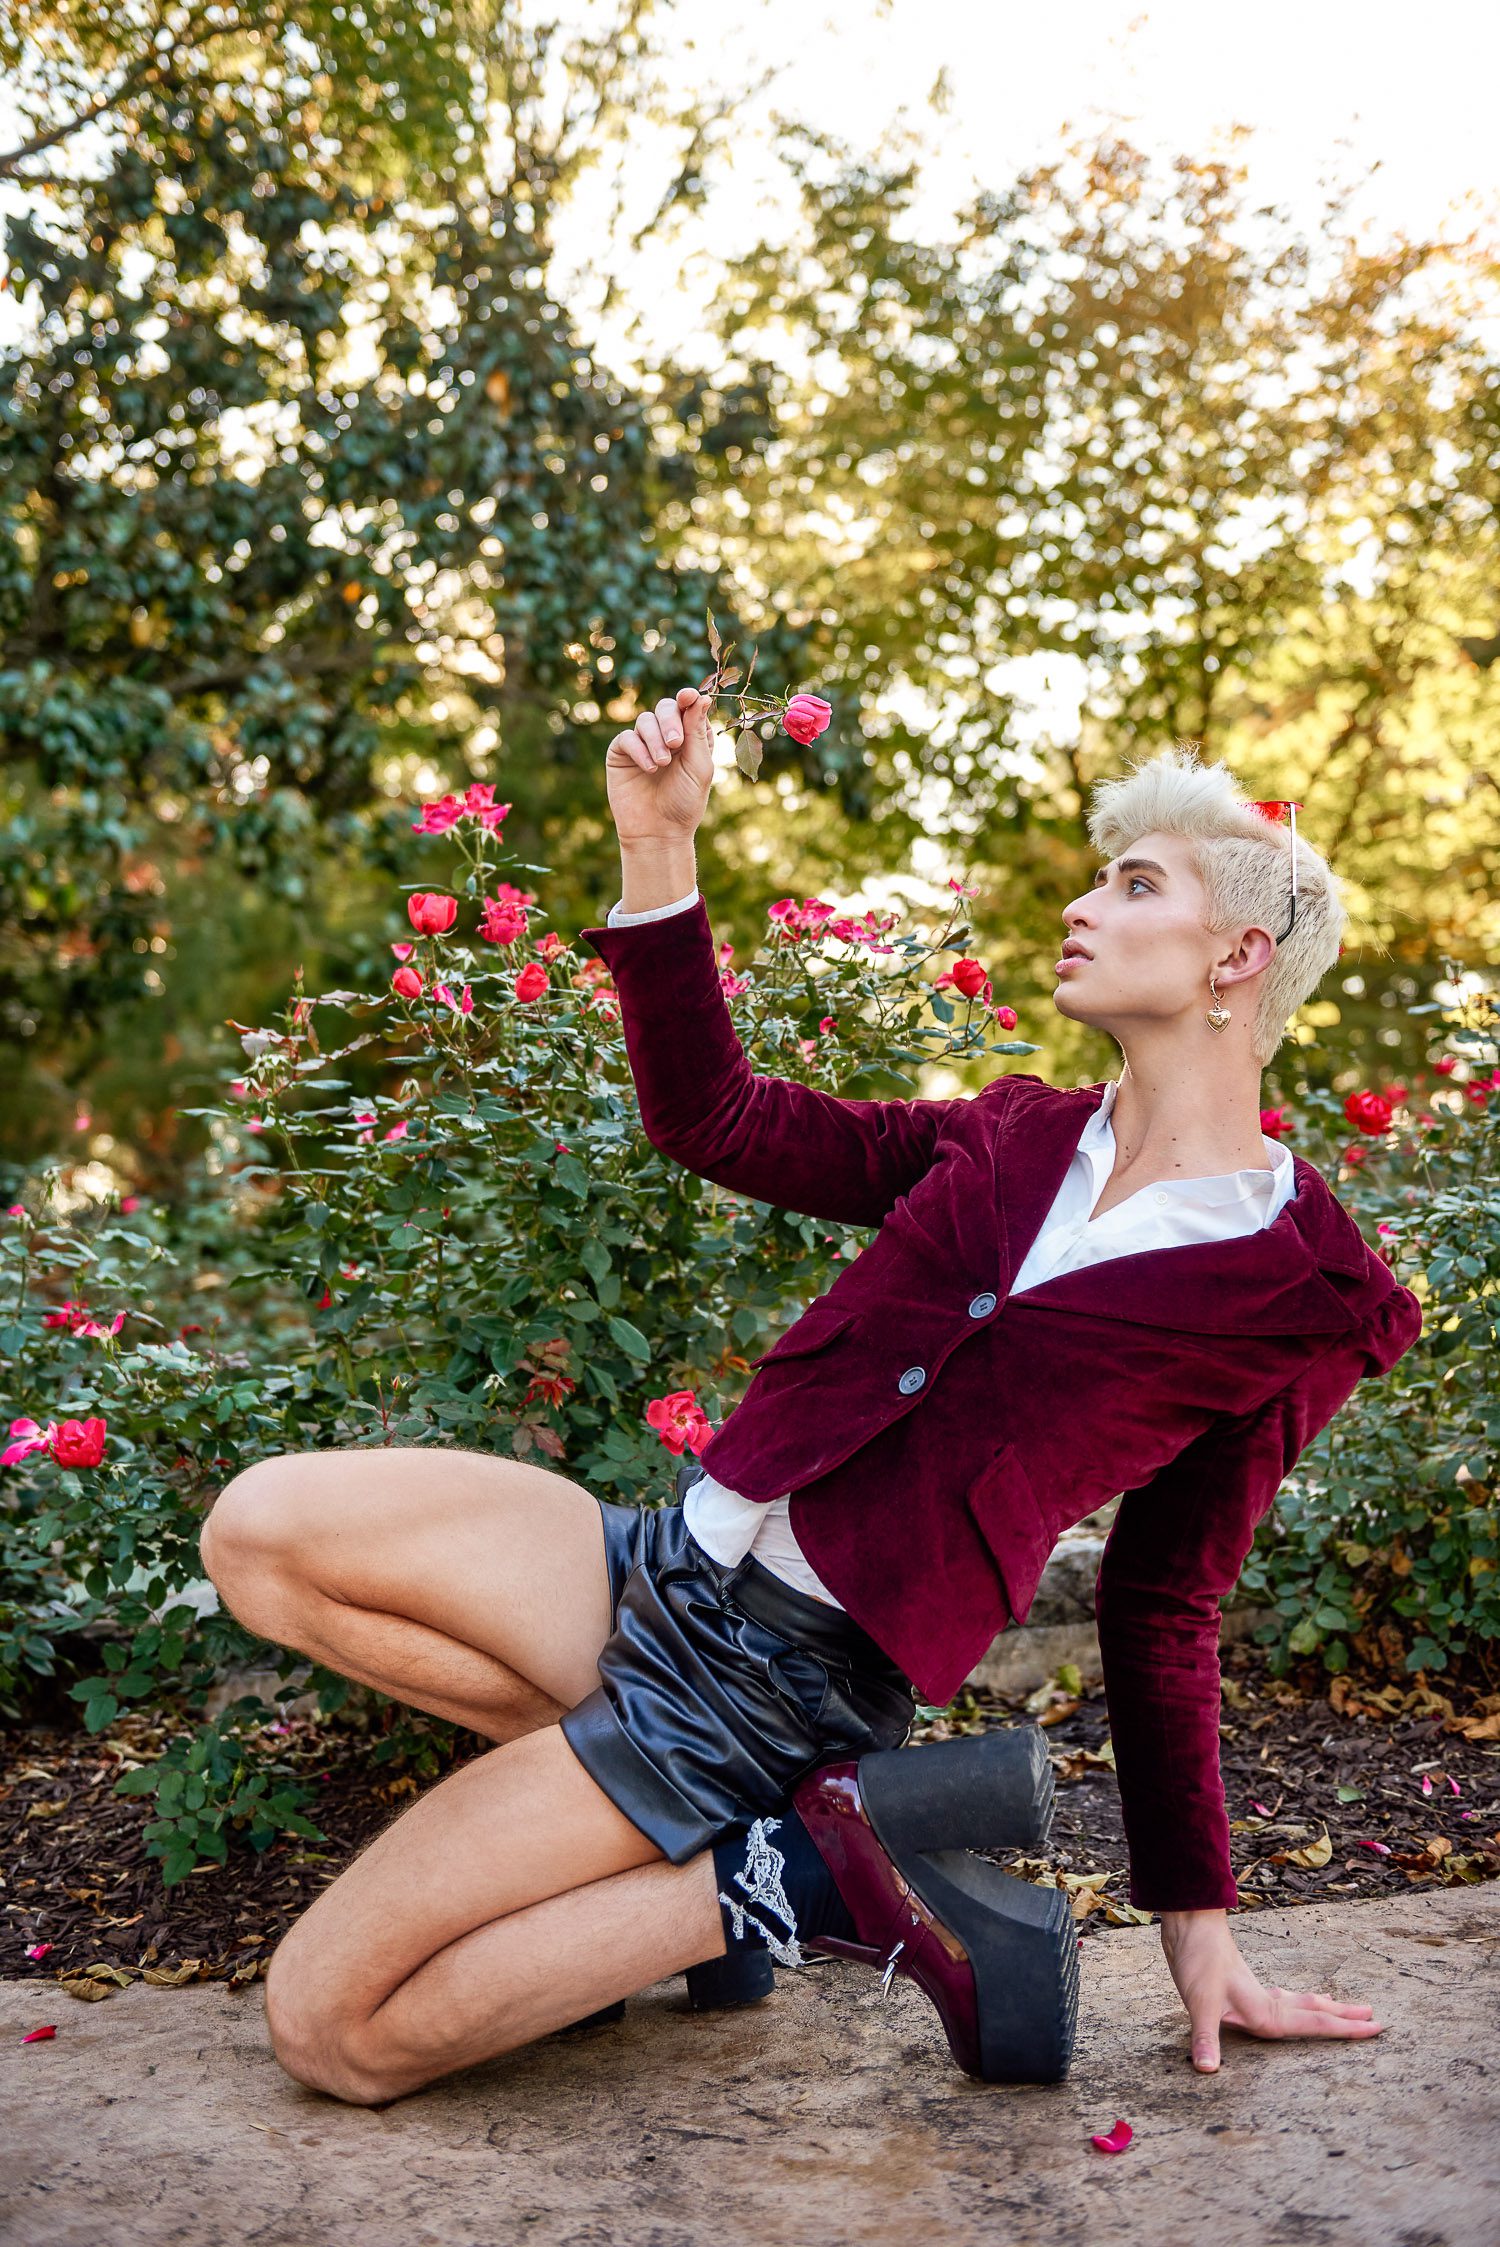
pixel 247 1544
pixel 313 2053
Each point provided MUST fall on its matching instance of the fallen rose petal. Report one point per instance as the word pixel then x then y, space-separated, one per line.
pixel 1426 1782
pixel 1457 1789
pixel 1379 1846
pixel 1260 1806
pixel 1116 2140
pixel 35 2036
pixel 39 1950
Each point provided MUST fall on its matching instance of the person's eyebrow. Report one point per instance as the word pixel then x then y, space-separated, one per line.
pixel 1137 865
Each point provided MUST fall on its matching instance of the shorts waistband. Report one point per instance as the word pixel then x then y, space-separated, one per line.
pixel 798 1616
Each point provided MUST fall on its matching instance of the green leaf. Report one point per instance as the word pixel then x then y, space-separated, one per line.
pixel 630 1339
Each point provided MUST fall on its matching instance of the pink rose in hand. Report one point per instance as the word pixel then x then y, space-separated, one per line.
pixel 806 716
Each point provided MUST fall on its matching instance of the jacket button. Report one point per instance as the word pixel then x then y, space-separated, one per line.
pixel 982 1306
pixel 912 1379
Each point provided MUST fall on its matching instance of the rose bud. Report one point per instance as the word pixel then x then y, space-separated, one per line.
pixel 431 913
pixel 806 716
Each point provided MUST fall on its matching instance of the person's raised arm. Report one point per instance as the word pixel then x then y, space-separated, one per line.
pixel 700 1101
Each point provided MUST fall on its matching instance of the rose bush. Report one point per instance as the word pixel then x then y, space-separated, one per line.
pixel 483 1251
pixel 1385 1541
pixel 429 1217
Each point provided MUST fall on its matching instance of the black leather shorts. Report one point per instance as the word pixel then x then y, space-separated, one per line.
pixel 721 1686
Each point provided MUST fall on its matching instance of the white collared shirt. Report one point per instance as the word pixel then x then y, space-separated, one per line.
pixel 1166 1214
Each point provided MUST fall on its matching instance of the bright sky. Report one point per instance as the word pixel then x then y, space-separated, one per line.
pixel 1326 90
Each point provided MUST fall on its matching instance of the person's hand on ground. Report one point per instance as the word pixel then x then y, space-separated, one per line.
pixel 1217 1987
pixel 659 772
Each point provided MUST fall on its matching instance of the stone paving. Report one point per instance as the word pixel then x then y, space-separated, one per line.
pixel 160 2118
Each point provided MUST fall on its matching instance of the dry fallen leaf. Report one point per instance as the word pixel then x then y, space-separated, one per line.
pixel 1315 1855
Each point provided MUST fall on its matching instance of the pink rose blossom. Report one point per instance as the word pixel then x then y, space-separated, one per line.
pixel 680 1421
pixel 431 912
pixel 438 817
pixel 502 922
pixel 26 1437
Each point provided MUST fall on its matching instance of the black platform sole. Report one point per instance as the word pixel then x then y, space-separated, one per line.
pixel 991 1790
pixel 930 1809
pixel 1022 1943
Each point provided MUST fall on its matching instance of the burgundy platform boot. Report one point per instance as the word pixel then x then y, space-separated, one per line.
pixel 997 1956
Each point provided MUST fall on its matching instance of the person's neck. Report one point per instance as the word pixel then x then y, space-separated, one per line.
pixel 1172 1120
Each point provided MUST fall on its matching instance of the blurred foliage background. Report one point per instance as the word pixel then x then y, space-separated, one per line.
pixel 314 497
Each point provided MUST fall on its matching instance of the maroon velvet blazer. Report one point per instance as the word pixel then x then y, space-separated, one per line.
pixel 938 1436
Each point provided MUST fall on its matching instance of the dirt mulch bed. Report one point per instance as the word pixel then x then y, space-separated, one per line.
pixel 1306 1760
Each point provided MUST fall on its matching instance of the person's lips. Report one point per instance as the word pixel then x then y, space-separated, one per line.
pixel 1071 956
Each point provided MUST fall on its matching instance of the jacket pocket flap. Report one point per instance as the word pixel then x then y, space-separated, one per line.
pixel 1010 1519
pixel 810 1333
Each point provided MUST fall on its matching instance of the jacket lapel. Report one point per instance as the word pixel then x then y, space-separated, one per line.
pixel 1308 1272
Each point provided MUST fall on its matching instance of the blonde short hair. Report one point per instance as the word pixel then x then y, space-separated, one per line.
pixel 1243 860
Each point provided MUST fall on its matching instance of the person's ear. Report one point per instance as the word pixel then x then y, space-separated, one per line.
pixel 1256 949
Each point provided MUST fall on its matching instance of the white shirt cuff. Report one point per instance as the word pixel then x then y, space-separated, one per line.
pixel 616 919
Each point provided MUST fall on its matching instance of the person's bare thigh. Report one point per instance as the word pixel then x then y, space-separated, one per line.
pixel 498 1554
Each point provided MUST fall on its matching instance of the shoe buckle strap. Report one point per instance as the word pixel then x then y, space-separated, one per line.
pixel 889 1975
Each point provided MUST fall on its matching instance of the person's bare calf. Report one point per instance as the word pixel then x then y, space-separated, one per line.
pixel 509 1900
pixel 466 1585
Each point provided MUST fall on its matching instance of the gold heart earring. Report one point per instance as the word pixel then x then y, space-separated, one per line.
pixel 1220 1014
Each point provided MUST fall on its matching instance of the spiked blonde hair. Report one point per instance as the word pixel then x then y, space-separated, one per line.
pixel 1244 861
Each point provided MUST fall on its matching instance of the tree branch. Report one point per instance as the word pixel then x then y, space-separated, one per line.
pixel 140 75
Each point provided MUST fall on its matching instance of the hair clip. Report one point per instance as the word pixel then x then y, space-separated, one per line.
pixel 1273 811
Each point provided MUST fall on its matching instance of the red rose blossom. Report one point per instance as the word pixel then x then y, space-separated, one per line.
pixel 79 1443
pixel 406 983
pixel 1369 1112
pixel 531 981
